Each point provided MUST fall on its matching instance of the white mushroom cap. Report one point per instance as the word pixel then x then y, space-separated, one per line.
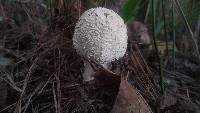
pixel 100 35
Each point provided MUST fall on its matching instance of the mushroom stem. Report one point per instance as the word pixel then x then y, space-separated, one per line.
pixel 88 72
pixel 106 65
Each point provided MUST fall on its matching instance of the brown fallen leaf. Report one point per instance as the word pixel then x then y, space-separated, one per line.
pixel 129 100
pixel 176 103
pixel 167 101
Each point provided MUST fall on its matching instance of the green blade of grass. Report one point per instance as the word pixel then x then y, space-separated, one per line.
pixel 153 11
pixel 129 9
pixel 165 26
pixel 173 35
pixel 154 27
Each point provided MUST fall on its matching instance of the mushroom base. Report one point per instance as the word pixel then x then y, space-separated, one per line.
pixel 88 72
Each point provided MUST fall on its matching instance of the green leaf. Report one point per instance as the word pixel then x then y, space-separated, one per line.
pixel 129 9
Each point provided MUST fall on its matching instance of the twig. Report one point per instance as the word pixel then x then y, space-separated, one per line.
pixel 31 95
pixel 197 29
pixel 178 75
pixel 142 58
pixel 7 107
pixel 45 84
pixel 55 98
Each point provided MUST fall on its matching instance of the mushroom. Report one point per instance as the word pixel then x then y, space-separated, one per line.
pixel 100 36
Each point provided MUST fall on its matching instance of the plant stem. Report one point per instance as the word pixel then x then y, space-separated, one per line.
pixel 155 45
pixel 147 12
pixel 154 29
pixel 173 35
pixel 165 27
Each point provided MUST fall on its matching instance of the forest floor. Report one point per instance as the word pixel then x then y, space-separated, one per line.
pixel 40 72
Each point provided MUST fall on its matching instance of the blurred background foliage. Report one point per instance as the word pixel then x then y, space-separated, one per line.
pixel 44 11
